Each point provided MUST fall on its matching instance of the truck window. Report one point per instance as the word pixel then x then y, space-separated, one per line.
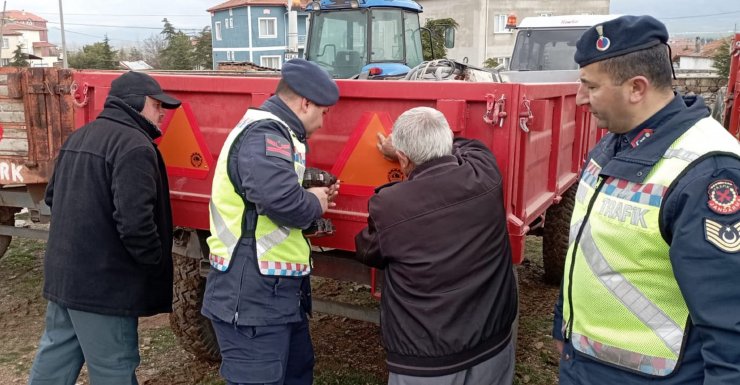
pixel 545 50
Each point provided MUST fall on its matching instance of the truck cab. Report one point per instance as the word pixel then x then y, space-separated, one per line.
pixel 348 37
pixel 544 48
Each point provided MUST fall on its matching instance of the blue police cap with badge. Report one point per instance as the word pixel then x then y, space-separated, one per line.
pixel 310 81
pixel 618 37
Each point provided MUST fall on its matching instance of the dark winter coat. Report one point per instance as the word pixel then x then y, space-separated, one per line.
pixel 110 240
pixel 449 296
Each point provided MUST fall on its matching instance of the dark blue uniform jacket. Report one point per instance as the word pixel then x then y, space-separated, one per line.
pixel 707 276
pixel 269 185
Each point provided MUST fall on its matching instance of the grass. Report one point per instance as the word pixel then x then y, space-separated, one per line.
pixel 24 253
pixel 341 377
pixel 346 377
pixel 156 341
pixel 20 285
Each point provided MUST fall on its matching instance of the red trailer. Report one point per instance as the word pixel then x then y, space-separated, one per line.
pixel 731 115
pixel 537 133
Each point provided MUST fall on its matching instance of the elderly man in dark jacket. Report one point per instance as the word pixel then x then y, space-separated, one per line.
pixel 108 260
pixel 449 296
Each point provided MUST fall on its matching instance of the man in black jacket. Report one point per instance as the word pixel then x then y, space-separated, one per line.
pixel 108 259
pixel 449 296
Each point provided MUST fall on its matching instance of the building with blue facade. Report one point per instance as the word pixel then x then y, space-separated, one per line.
pixel 254 31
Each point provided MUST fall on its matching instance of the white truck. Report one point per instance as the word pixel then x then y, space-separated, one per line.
pixel 544 48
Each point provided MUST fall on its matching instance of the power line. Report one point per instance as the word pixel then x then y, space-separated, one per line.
pixel 110 14
pixel 95 36
pixel 123 26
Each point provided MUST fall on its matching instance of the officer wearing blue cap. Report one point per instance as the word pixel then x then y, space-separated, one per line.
pixel 650 290
pixel 258 291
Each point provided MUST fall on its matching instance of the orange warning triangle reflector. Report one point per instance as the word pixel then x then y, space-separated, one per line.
pixel 360 166
pixel 182 145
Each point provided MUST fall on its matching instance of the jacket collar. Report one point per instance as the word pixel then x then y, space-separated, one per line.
pixel 444 161
pixel 118 111
pixel 668 124
pixel 277 107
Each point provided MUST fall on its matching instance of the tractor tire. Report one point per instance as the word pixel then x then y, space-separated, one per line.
pixel 7 218
pixel 193 331
pixel 555 236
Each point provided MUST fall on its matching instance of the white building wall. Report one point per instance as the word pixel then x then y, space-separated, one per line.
pixel 695 63
pixel 476 40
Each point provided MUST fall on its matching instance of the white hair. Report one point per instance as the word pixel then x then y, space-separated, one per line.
pixel 422 133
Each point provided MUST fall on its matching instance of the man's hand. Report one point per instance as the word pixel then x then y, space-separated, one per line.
pixel 333 193
pixel 323 194
pixel 385 146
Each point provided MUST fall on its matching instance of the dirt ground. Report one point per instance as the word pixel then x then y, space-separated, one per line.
pixel 347 351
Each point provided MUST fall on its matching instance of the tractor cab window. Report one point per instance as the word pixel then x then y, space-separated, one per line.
pixel 387 36
pixel 338 42
pixel 344 41
pixel 414 52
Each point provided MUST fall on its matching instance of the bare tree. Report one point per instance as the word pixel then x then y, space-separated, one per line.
pixel 152 49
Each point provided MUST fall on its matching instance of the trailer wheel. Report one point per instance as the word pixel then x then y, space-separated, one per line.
pixel 7 218
pixel 193 331
pixel 555 236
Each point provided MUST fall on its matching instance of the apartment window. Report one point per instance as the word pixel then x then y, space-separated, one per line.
pixel 4 62
pixel 270 61
pixel 503 60
pixel 268 27
pixel 546 14
pixel 231 11
pixel 499 24
pixel 6 43
pixel 231 22
pixel 218 30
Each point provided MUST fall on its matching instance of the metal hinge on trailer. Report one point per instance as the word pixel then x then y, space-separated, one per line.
pixel 525 115
pixel 495 110
pixel 79 94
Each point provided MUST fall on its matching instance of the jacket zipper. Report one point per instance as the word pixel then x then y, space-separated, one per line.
pixel 569 322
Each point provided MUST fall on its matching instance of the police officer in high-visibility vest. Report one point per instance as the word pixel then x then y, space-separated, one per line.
pixel 650 291
pixel 258 291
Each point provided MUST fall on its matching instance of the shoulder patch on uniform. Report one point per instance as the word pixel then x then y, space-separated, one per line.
pixel 722 236
pixel 723 197
pixel 278 147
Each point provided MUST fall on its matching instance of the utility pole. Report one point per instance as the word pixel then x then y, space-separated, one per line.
pixel 2 24
pixel 64 42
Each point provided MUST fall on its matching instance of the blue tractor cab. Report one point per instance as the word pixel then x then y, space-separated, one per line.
pixel 348 37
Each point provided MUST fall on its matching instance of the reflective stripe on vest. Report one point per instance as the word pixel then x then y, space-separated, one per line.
pixel 627 308
pixel 281 251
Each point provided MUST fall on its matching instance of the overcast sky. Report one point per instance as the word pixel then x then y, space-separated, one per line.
pixel 130 21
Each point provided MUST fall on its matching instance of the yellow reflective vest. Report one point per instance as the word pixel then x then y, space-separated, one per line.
pixel 280 250
pixel 622 304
